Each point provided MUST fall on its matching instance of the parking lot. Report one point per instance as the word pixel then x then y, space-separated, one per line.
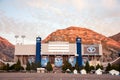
pixel 56 76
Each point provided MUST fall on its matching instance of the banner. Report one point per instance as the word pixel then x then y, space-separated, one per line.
pixel 72 60
pixel 31 59
pixel 58 61
pixel 44 61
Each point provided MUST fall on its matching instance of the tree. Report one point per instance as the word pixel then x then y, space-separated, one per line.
pixel 18 65
pixel 12 67
pixel 87 67
pixel 6 67
pixel 18 62
pixel 33 66
pixel 38 65
pixel 109 67
pixel 66 66
pixel 77 66
pixel 116 67
pixel 22 68
pixel 119 67
pixel 92 68
pixel 49 67
pixel 28 66
pixel 1 67
pixel 81 67
pixel 99 66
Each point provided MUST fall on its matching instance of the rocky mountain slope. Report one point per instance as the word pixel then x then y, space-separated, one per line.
pixel 6 50
pixel 116 37
pixel 110 46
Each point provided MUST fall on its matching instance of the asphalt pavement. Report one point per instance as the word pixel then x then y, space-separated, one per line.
pixel 56 76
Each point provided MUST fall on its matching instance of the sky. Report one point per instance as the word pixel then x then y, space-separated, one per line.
pixel 34 18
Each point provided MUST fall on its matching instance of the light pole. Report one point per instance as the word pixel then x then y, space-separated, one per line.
pixel 23 36
pixel 16 36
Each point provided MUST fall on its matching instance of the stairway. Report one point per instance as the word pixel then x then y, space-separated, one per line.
pixel 10 63
pixel 114 62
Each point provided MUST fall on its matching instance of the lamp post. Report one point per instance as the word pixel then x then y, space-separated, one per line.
pixel 16 36
pixel 23 36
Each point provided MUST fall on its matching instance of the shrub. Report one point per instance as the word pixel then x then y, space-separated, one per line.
pixel 66 66
pixel 109 67
pixel 92 68
pixel 49 67
pixel 99 66
pixel 116 67
pixel 28 66
pixel 87 67
pixel 77 66
pixel 18 65
pixel 6 67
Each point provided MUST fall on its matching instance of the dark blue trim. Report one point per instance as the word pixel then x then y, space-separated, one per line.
pixel 38 50
pixel 79 51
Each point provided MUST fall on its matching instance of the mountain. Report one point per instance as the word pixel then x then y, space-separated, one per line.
pixel 6 50
pixel 116 37
pixel 110 46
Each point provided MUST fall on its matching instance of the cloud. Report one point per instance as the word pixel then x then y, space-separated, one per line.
pixel 79 4
pixel 36 3
pixel 41 17
pixel 109 4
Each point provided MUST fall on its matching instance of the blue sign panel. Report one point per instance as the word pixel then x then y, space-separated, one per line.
pixel 72 60
pixel 58 61
pixel 44 61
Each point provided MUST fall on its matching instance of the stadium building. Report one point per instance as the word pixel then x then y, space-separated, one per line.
pixel 56 52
